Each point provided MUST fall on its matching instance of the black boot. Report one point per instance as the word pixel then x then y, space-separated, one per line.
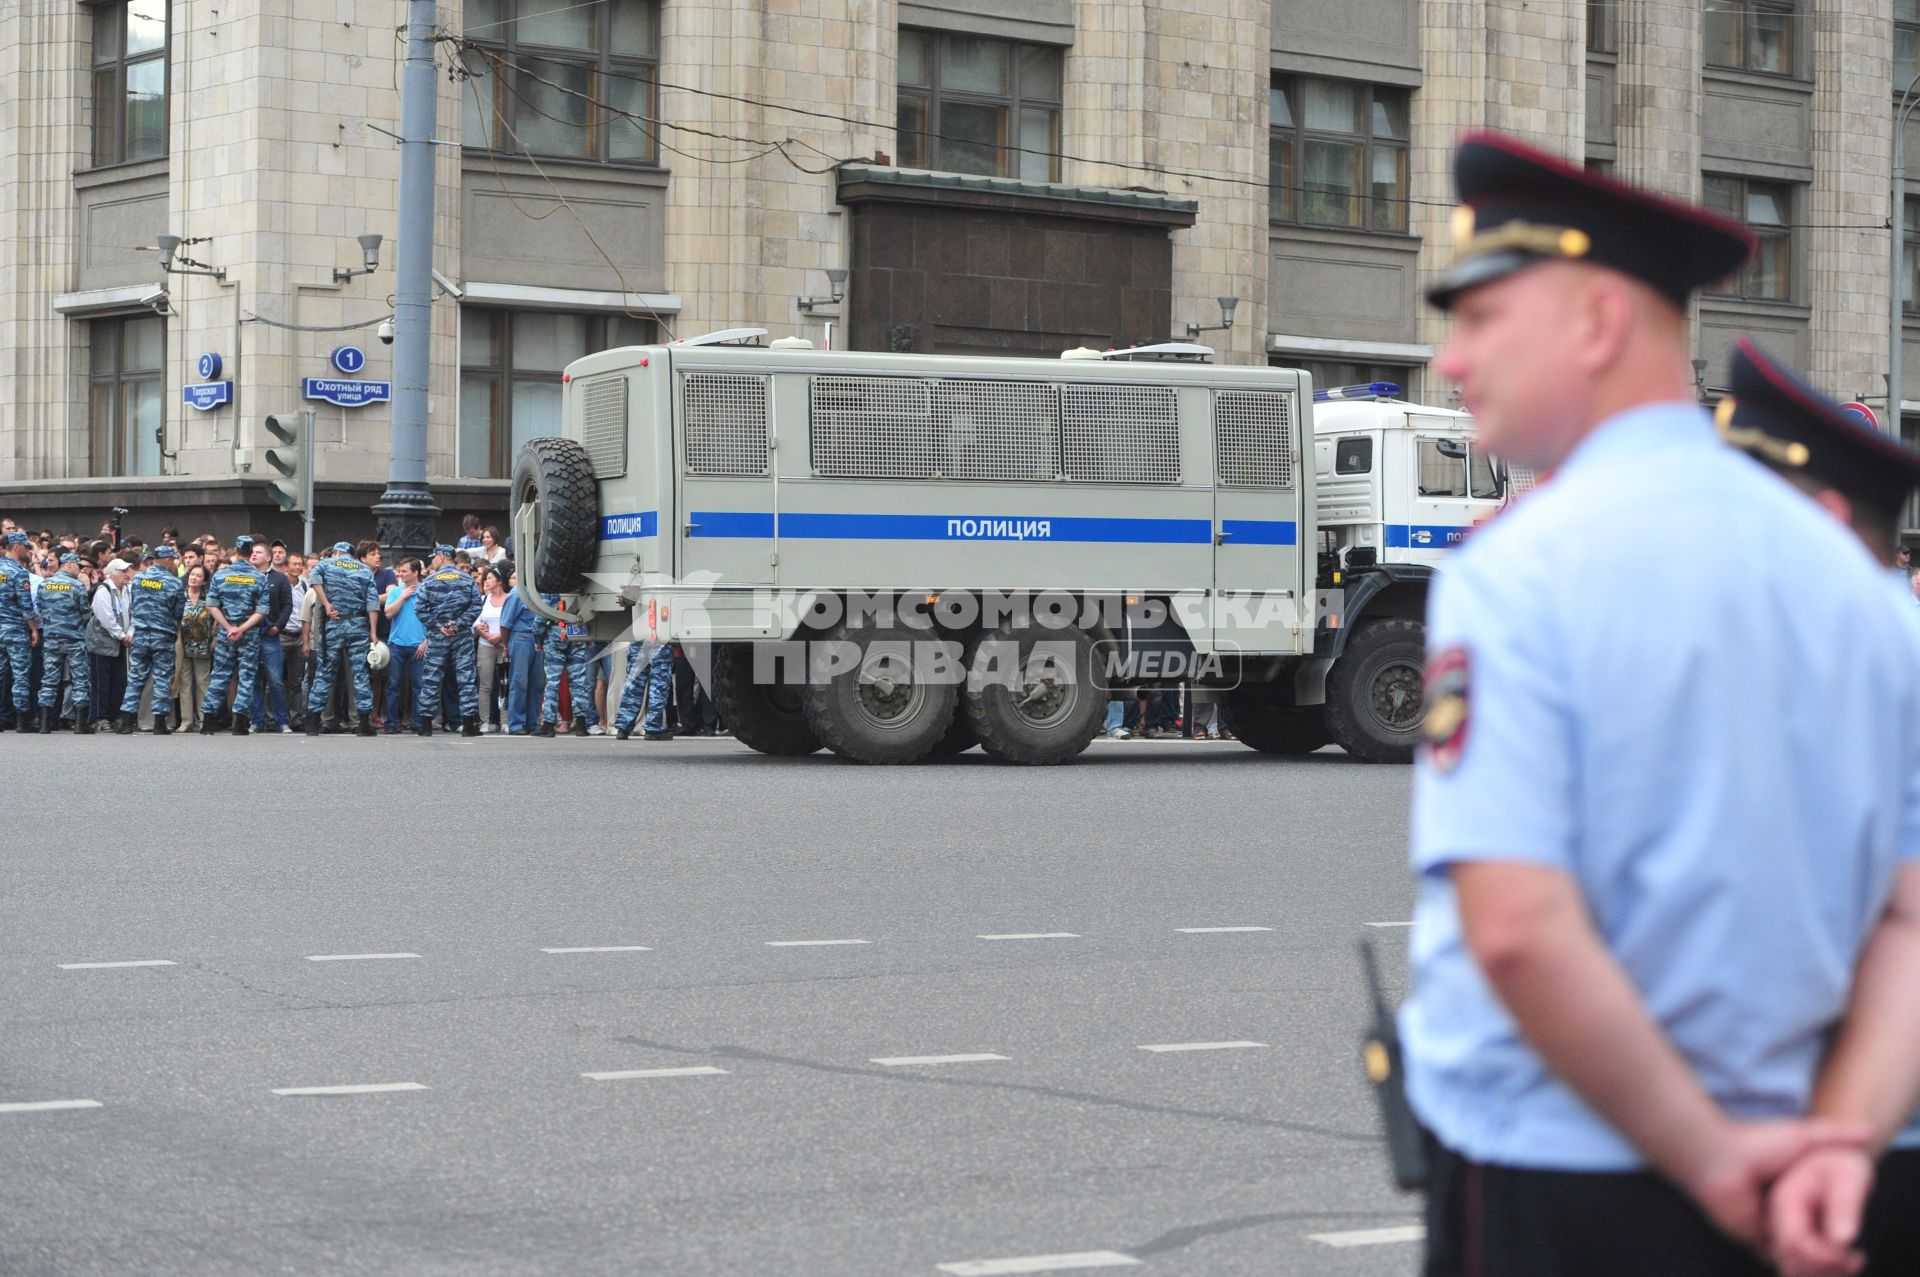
pixel 27 721
pixel 546 729
pixel 423 725
pixel 659 735
pixel 125 726
pixel 313 724
pixel 579 727
pixel 82 723
pixel 470 727
pixel 242 725
pixel 366 724
pixel 623 733
pixel 209 723
pixel 160 727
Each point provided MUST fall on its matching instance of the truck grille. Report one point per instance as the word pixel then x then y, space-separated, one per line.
pixel 1253 438
pixel 725 419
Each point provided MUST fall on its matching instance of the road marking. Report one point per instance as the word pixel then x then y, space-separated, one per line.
pixel 1200 1046
pixel 1371 1236
pixel 804 944
pixel 357 957
pixel 48 1106
pixel 364 1088
pixel 697 1070
pixel 1208 931
pixel 935 1059
pixel 603 948
pixel 1033 935
pixel 1038 1263
pixel 108 966
pixel 1385 925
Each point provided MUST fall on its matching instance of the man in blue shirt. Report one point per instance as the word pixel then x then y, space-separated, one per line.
pixel 1658 813
pixel 406 644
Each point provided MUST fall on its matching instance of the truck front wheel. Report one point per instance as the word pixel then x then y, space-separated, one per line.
pixel 767 716
pixel 1374 699
pixel 1033 696
pixel 881 694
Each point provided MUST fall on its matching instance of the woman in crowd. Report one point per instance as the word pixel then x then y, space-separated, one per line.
pixel 193 658
pixel 490 548
pixel 492 651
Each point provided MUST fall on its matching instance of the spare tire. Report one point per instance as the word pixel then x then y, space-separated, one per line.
pixel 556 478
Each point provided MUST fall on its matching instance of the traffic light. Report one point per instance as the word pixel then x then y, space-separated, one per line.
pixel 288 457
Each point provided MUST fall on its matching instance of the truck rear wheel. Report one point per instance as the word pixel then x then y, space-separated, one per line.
pixel 1258 720
pixel 769 717
pixel 1374 698
pixel 556 478
pixel 887 704
pixel 1032 696
pixel 959 739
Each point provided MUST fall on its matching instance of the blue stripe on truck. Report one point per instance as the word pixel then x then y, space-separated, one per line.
pixel 760 525
pixel 618 527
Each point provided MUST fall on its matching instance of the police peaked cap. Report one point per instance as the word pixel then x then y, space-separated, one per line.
pixel 1789 425
pixel 1520 205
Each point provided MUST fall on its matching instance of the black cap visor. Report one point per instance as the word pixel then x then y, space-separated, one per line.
pixel 1484 268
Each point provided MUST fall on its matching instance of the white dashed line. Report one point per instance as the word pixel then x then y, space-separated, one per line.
pixel 108 966
pixel 1208 931
pixel 357 957
pixel 697 1070
pixel 1200 1046
pixel 364 1088
pixel 1371 1236
pixel 1038 1264
pixel 935 1059
pixel 809 944
pixel 48 1106
pixel 1387 925
pixel 603 948
pixel 1033 935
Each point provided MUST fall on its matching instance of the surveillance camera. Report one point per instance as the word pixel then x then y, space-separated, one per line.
pixel 385 331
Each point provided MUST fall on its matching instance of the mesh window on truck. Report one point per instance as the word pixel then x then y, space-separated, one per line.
pixel 725 420
pixel 1253 436
pixel 1119 434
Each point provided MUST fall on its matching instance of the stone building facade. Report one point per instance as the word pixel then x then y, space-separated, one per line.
pixel 991 175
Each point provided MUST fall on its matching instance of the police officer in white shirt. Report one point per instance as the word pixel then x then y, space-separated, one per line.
pixel 1659 811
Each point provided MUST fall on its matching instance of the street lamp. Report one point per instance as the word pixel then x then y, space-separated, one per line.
pixel 1896 229
pixel 836 291
pixel 1227 306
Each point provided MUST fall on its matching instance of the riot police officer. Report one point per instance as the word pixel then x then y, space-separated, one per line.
pixel 237 598
pixel 19 630
pixel 158 602
pixel 565 650
pixel 650 679
pixel 348 601
pixel 448 604
pixel 63 607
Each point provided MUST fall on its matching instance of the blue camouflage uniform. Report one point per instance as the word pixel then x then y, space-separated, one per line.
pixel 16 629
pixel 565 651
pixel 448 596
pixel 239 592
pixel 651 678
pixel 349 587
pixel 158 601
pixel 64 610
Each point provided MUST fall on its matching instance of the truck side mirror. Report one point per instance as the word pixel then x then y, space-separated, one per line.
pixel 1452 448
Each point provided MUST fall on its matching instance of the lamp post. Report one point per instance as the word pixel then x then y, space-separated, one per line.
pixel 1896 227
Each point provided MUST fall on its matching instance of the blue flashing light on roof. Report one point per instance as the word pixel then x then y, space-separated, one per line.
pixel 1366 390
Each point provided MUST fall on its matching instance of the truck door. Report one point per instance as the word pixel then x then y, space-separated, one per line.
pixel 1439 504
pixel 1262 493
pixel 726 486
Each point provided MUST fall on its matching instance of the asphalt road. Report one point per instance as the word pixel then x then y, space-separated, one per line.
pixel 508 922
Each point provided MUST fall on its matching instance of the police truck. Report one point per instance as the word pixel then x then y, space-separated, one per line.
pixel 897 557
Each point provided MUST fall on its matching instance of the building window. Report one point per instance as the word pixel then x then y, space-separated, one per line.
pixel 1766 208
pixel 510 366
pixel 129 81
pixel 565 80
pixel 127 394
pixel 1906 41
pixel 1600 38
pixel 1337 154
pixel 1910 276
pixel 1751 35
pixel 1328 373
pixel 971 105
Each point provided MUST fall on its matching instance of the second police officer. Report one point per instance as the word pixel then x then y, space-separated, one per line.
pixel 448 605
pixel 345 596
pixel 565 650
pixel 157 604
pixel 237 597
pixel 64 610
pixel 19 630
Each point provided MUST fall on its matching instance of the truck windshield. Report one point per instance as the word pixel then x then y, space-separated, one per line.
pixel 1485 483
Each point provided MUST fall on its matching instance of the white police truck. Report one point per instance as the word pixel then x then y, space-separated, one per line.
pixel 901 556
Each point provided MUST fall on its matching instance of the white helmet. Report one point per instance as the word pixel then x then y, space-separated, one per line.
pixel 378 656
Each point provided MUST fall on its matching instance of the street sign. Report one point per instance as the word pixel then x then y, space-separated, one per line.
pixel 1861 411
pixel 348 394
pixel 349 359
pixel 207 395
pixel 209 366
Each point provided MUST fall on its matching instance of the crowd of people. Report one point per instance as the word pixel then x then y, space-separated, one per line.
pixel 107 632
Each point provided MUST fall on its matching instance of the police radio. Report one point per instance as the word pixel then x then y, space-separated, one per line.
pixel 1380 1053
